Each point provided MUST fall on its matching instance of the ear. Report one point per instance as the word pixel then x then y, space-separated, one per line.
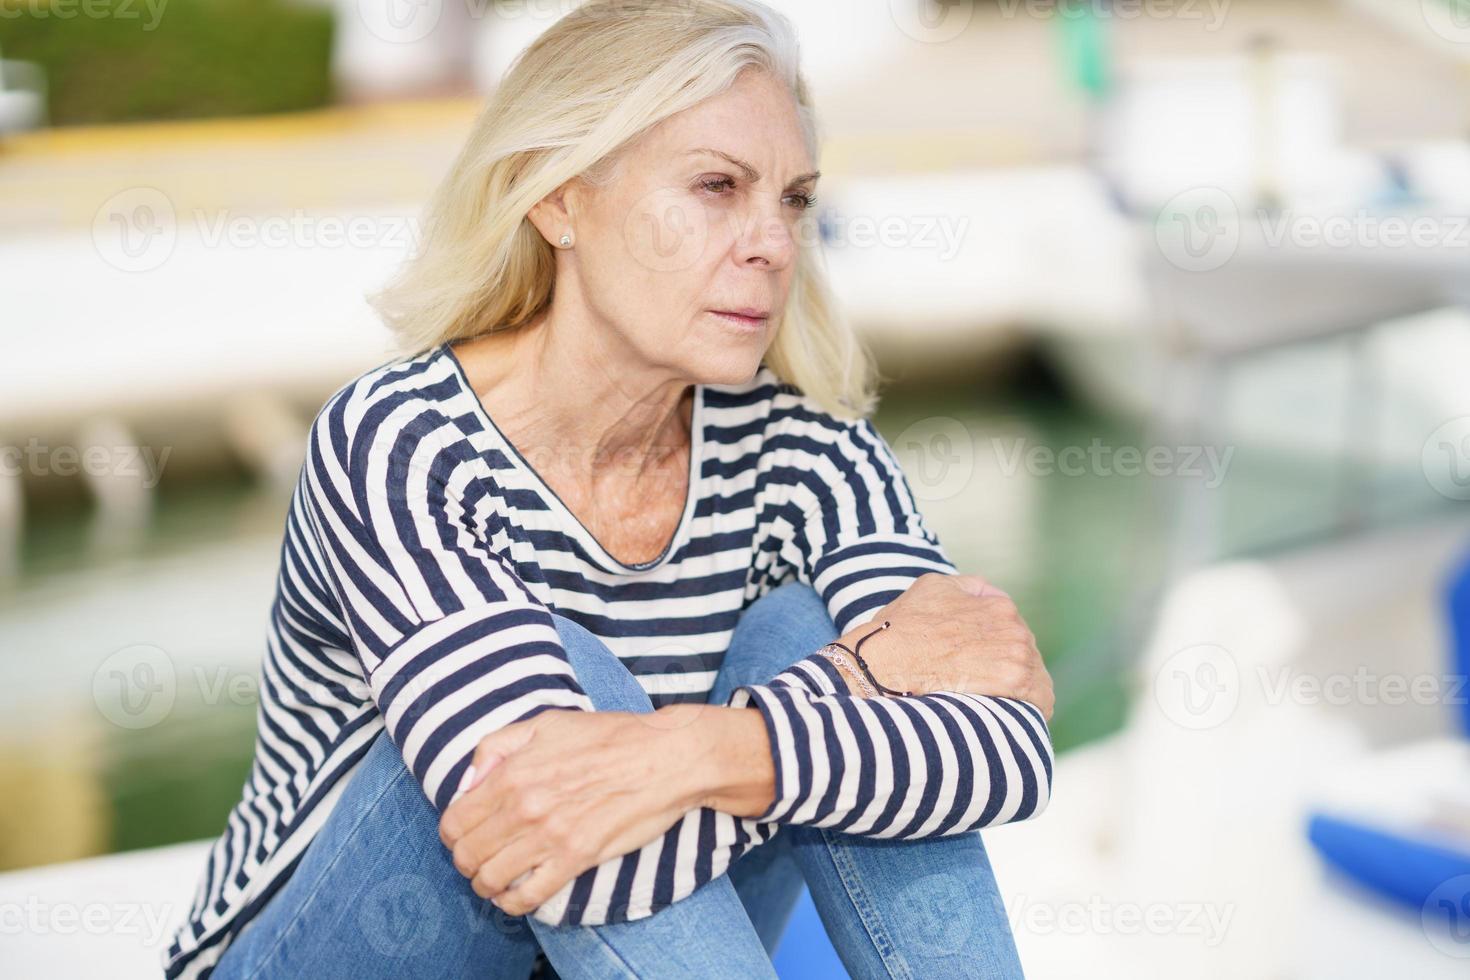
pixel 553 214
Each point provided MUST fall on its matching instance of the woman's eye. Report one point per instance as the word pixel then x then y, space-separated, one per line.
pixel 720 185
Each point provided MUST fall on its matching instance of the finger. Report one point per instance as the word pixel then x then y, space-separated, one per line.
pixel 978 586
pixel 482 842
pixel 508 866
pixel 527 894
pixel 973 584
pixel 490 802
pixel 495 747
pixel 472 800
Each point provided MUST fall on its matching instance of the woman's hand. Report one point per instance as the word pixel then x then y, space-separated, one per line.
pixel 566 790
pixel 956 633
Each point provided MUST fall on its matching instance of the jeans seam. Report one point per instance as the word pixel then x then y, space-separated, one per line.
pixel 893 961
pixel 316 889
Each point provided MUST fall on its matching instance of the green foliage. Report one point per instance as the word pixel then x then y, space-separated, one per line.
pixel 120 60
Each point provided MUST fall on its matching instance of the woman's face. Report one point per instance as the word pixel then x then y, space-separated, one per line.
pixel 701 217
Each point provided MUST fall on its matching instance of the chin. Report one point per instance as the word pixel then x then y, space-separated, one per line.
pixel 731 367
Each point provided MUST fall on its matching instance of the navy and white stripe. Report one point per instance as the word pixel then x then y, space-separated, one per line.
pixel 422 558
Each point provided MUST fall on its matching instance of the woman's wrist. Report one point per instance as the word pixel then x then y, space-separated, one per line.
pixel 855 683
pixel 729 758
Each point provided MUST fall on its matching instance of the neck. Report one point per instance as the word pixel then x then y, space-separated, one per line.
pixel 565 387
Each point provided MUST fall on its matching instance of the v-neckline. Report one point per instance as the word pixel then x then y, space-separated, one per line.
pixel 569 519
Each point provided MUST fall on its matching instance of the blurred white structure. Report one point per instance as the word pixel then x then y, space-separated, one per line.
pixel 396 47
pixel 22 96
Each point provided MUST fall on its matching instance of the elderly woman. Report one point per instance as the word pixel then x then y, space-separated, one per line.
pixel 624 472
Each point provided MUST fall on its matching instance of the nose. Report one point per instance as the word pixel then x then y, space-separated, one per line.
pixel 765 239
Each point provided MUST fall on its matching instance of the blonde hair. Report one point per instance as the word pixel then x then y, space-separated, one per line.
pixel 588 86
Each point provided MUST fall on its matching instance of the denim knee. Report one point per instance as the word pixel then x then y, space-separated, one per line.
pixel 780 628
pixel 610 685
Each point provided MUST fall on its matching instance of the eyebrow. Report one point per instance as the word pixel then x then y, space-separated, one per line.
pixel 750 173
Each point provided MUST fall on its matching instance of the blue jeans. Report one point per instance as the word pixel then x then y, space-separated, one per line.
pixel 377 895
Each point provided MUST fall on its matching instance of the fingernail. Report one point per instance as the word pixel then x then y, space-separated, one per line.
pixel 466 781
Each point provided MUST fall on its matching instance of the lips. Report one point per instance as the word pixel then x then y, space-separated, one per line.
pixel 749 312
pixel 745 316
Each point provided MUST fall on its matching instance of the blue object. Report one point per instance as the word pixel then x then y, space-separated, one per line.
pixel 1457 600
pixel 805 952
pixel 1405 869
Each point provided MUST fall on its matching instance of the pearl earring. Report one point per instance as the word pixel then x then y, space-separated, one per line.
pixel 566 240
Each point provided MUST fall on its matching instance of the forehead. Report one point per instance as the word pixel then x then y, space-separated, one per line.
pixel 756 119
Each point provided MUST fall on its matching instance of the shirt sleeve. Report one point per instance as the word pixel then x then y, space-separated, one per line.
pixel 898 767
pixel 452 643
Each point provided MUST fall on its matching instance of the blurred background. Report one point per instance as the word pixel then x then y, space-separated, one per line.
pixel 1172 300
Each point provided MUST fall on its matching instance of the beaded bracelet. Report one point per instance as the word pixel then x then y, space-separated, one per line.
pixel 863 664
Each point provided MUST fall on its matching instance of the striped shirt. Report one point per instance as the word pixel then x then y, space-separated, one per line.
pixel 423 556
